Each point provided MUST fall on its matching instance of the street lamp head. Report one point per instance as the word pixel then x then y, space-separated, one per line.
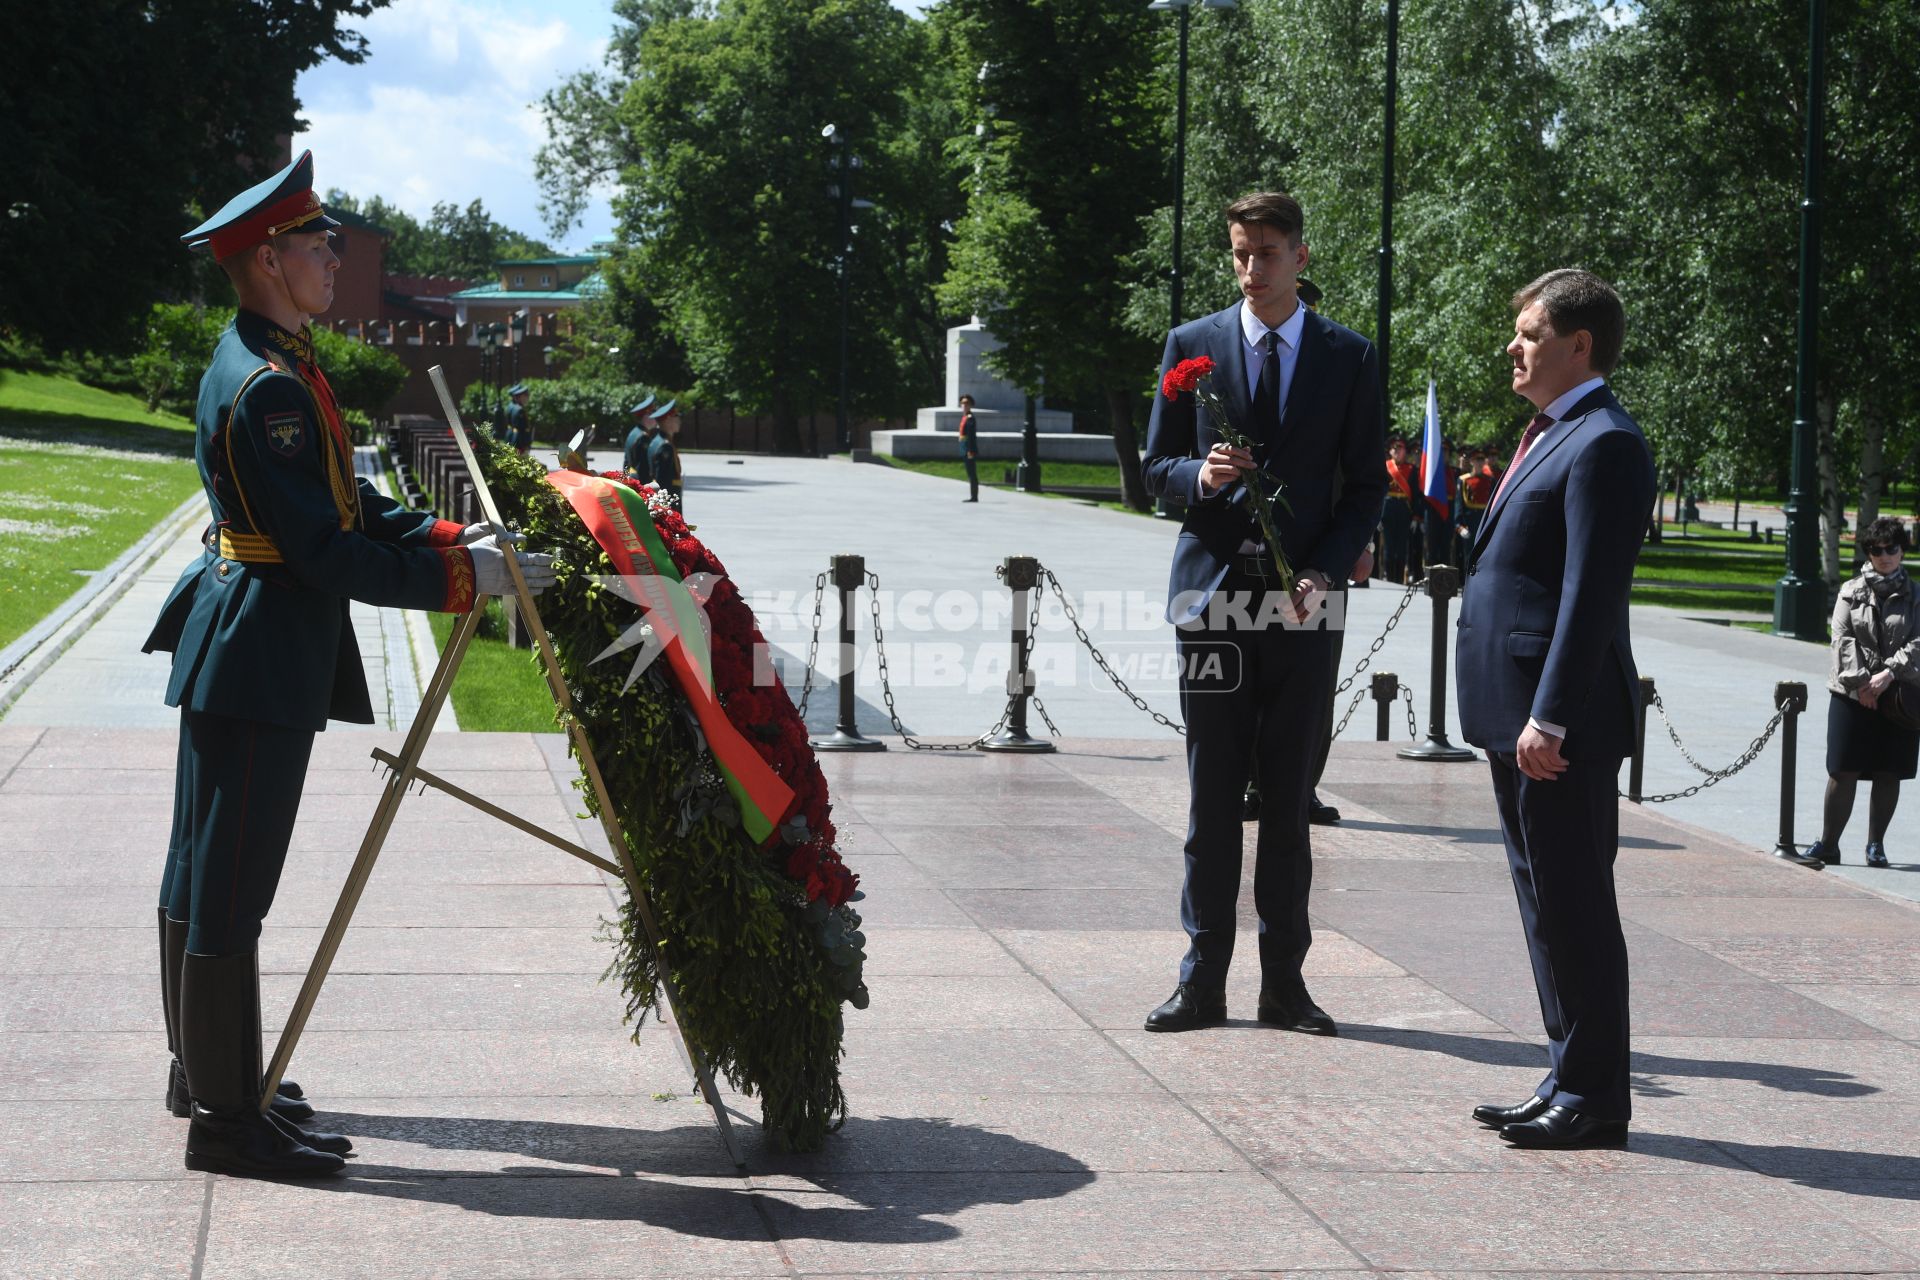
pixel 831 133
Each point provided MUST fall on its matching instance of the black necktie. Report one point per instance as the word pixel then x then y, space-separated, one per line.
pixel 1266 396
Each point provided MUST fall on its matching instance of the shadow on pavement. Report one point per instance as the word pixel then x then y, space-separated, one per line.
pixel 953 1167
pixel 1822 1081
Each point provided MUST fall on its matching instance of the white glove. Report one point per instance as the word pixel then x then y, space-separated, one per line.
pixel 490 574
pixel 474 532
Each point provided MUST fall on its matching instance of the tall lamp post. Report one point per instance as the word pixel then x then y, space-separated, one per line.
pixel 519 327
pixel 1800 598
pixel 845 165
pixel 1383 323
pixel 1176 273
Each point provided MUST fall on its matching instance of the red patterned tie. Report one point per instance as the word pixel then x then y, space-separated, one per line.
pixel 1539 424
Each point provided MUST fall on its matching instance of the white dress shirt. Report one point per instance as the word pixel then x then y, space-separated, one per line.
pixel 1253 331
pixel 1557 410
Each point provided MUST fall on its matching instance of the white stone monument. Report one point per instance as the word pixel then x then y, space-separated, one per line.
pixel 999 409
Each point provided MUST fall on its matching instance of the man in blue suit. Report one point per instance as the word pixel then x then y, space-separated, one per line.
pixel 1257 665
pixel 1548 688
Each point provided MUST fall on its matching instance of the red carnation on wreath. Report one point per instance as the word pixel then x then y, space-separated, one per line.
pixel 735 637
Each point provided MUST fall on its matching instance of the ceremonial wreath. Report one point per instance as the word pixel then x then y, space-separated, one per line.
pixel 722 802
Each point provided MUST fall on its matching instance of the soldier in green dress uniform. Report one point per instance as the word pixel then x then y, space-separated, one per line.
pixel 663 456
pixel 264 655
pixel 633 458
pixel 519 430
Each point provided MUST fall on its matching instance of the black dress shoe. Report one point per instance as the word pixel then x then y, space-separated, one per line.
pixel 1564 1129
pixel 1324 815
pixel 1499 1117
pixel 1811 859
pixel 1295 1010
pixel 1189 1008
pixel 1877 854
pixel 337 1144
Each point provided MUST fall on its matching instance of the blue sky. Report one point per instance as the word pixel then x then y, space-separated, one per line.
pixel 446 105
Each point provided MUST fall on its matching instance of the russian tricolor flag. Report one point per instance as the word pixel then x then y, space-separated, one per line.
pixel 1436 481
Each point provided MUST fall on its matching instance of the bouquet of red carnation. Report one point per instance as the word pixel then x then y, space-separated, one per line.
pixel 1194 377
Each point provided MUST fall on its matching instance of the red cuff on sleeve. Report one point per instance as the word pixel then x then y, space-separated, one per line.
pixel 445 533
pixel 460 580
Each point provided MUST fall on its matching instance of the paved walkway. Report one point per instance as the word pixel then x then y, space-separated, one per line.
pixel 1009 1117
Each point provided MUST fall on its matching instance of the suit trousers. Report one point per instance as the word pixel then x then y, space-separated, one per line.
pixel 237 787
pixel 1562 837
pixel 1254 700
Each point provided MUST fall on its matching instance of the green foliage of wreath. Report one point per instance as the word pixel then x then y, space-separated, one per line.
pixel 760 972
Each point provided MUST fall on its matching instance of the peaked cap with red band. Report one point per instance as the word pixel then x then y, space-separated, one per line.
pixel 283 203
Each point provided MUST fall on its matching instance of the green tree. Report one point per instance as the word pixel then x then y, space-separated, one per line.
pixel 463 243
pixel 122 132
pixel 1683 135
pixel 180 342
pixel 363 378
pixel 1064 167
pixel 731 231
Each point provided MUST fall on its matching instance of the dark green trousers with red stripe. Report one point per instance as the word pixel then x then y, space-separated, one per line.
pixel 236 792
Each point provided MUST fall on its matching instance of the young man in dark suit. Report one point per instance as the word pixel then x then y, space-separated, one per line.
pixel 1548 689
pixel 1256 663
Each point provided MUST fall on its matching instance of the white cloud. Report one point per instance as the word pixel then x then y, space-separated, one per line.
pixel 446 106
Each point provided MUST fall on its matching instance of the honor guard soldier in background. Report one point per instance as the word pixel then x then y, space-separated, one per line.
pixel 1471 498
pixel 663 456
pixel 1396 518
pixel 519 430
pixel 264 656
pixel 633 457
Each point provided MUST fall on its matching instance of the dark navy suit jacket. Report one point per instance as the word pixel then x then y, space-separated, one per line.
pixel 1328 455
pixel 1543 623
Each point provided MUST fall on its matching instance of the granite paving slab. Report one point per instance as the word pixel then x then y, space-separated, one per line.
pixel 1639 1223
pixel 929 1223
pixel 1008 1115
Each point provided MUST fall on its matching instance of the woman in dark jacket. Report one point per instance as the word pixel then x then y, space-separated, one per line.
pixel 1876 644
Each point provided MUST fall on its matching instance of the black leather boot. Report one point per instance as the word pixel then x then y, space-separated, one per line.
pixel 219 1013
pixel 287 1112
pixel 173 949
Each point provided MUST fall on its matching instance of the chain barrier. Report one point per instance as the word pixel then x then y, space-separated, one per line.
pixel 886 685
pixel 813 645
pixel 1099 658
pixel 1373 651
pixel 1713 776
pixel 1359 696
pixel 1413 589
pixel 1413 731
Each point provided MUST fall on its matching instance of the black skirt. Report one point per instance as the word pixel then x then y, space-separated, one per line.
pixel 1865 742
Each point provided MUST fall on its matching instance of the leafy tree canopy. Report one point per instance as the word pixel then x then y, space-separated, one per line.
pixel 128 121
pixel 464 243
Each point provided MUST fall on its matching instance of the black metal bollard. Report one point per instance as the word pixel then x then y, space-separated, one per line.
pixel 848 574
pixel 1790 699
pixel 1638 767
pixel 1022 575
pixel 1386 691
pixel 1443 584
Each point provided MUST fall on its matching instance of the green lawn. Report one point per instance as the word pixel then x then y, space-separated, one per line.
pixel 500 689
pixel 993 474
pixel 84 474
